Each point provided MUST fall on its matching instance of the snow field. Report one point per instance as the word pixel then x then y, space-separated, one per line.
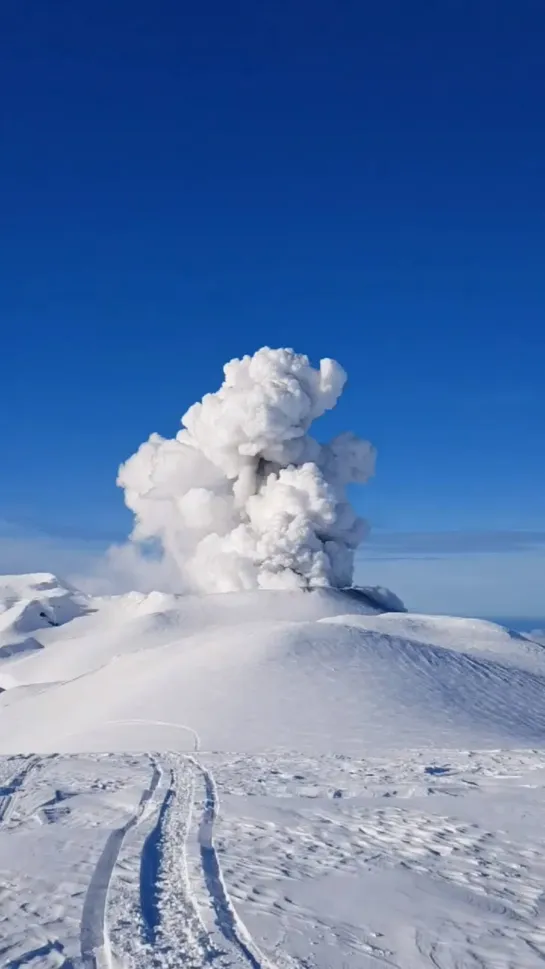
pixel 273 860
pixel 375 797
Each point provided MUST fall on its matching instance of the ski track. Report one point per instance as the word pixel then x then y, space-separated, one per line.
pixel 158 723
pixel 9 793
pixel 228 921
pixel 94 940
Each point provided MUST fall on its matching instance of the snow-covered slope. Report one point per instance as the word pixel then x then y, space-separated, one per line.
pixel 32 603
pixel 266 780
pixel 314 671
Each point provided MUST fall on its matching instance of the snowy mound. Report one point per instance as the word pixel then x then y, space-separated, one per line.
pixel 467 635
pixel 314 671
pixel 32 603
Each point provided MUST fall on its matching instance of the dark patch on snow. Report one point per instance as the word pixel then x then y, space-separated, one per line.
pixel 28 645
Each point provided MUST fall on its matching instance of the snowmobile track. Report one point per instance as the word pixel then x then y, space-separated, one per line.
pixel 227 919
pixel 94 941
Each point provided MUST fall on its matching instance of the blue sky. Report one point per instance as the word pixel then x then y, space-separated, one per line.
pixel 182 184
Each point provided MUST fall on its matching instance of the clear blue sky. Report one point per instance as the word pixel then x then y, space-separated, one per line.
pixel 183 183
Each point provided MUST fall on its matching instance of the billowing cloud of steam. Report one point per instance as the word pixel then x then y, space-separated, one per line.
pixel 243 497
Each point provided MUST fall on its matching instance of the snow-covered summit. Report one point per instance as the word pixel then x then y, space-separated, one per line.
pixel 54 600
pixel 32 603
pixel 315 670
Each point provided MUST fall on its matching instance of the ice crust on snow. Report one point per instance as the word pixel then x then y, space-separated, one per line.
pixel 243 497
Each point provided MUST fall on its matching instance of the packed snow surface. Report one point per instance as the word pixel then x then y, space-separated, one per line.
pixel 266 779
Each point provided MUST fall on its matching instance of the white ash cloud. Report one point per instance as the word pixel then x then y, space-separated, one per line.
pixel 243 497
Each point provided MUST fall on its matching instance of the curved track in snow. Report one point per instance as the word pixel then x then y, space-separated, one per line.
pixel 165 915
pixel 170 925
pixel 228 921
pixel 171 920
pixel 94 939
pixel 159 723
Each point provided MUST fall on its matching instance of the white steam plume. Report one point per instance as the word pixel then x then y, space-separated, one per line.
pixel 243 497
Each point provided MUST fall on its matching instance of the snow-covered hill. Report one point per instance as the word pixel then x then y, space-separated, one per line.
pixel 315 671
pixel 380 777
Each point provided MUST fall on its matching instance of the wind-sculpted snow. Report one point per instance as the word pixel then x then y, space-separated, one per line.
pixel 243 497
pixel 431 860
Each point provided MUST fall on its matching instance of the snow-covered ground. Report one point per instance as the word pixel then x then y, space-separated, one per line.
pixel 268 779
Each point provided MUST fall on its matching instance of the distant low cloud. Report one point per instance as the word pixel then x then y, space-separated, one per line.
pixel 24 548
pixel 494 574
pixel 403 545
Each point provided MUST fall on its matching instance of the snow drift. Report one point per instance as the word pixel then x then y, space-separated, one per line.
pixel 243 497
